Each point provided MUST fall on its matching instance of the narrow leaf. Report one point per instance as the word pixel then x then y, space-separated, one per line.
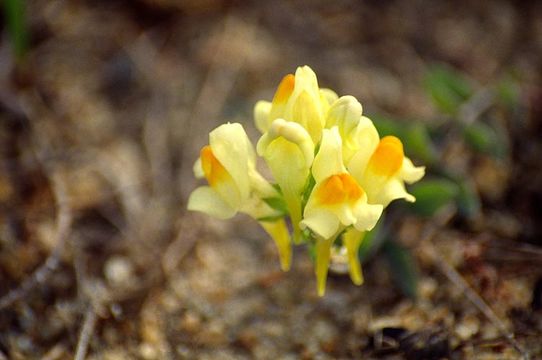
pixel 468 200
pixel 431 195
pixel 448 89
pixel 403 267
pixel 14 13
pixel 277 203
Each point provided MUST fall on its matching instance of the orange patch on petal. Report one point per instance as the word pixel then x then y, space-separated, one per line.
pixel 212 168
pixel 388 156
pixel 339 189
pixel 285 89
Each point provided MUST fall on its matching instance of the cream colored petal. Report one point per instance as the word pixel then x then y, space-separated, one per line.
pixel 257 208
pixel 323 250
pixel 288 151
pixel 261 186
pixel 198 170
pixel 279 232
pixel 229 144
pixel 393 189
pixel 352 239
pixel 306 111
pixel 367 215
pixel 344 113
pixel 366 141
pixel 205 199
pixel 410 173
pixel 320 221
pixel 328 97
pixel 262 110
pixel 328 161
pixel 345 214
pixel 291 132
pixel 288 166
pixel 305 79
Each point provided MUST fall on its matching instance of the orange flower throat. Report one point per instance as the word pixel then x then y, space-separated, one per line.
pixel 388 156
pixel 212 168
pixel 339 189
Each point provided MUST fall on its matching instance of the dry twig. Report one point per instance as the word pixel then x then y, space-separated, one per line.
pixel 455 278
pixel 63 224
pixel 86 333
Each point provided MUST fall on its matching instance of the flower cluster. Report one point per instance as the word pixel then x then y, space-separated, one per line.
pixel 333 174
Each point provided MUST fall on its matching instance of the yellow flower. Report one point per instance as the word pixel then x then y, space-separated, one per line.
pixel 336 202
pixel 299 99
pixel 357 131
pixel 289 151
pixel 382 169
pixel 340 191
pixel 234 185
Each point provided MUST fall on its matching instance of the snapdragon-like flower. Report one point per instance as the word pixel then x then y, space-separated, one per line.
pixel 298 99
pixel 332 174
pixel 228 164
pixel 336 202
pixel 289 151
pixel 382 169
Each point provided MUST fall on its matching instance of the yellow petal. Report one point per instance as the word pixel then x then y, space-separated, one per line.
pixel 393 189
pixel 367 215
pixel 327 97
pixel 364 145
pixel 321 221
pixel 198 169
pixel 323 249
pixel 291 132
pixel 279 232
pixel 288 151
pixel 205 199
pixel 262 110
pixel 328 161
pixel 231 147
pixel 346 114
pixel 307 111
pixel 220 179
pixel 352 240
pixel 410 173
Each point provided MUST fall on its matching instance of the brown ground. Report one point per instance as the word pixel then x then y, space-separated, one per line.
pixel 100 124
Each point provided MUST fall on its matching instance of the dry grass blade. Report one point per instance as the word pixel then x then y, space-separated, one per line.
pixel 86 333
pixel 455 278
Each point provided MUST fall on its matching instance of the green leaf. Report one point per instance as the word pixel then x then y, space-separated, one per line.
pixel 277 203
pixel 448 88
pixel 483 138
pixel 270 218
pixel 14 12
pixel 468 200
pixel 508 91
pixel 418 143
pixel 403 267
pixel 431 195
pixel 387 126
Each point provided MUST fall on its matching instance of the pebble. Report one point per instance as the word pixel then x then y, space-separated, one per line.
pixel 119 271
pixel 468 327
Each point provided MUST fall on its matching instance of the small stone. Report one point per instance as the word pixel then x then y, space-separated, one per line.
pixel 190 322
pixel 119 271
pixel 468 327
pixel 148 352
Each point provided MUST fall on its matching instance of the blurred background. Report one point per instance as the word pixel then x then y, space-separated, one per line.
pixel 104 106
